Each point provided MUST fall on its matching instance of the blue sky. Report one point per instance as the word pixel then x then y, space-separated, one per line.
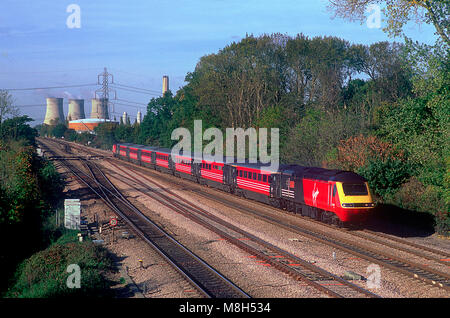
pixel 139 41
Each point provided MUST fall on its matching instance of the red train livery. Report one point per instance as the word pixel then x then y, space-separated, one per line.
pixel 332 196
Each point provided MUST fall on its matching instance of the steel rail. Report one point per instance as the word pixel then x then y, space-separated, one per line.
pixel 201 275
pixel 290 263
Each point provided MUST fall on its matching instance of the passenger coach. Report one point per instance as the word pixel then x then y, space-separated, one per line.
pixel 332 196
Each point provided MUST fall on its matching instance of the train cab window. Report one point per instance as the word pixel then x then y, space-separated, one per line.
pixel 354 189
pixel 334 191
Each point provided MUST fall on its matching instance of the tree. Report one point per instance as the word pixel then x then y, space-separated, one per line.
pixel 399 12
pixel 16 128
pixel 6 106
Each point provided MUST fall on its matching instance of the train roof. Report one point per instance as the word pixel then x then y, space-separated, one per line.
pixel 127 144
pixel 290 169
pixel 321 173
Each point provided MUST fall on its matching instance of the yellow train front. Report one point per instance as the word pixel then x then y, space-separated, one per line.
pixel 339 196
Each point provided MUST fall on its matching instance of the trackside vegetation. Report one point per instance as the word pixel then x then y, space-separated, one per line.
pixel 36 253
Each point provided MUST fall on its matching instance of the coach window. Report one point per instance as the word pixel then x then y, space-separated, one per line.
pixel 254 175
pixel 245 174
pixel 259 177
pixel 240 173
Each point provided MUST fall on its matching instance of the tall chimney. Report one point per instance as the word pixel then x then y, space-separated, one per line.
pixel 139 117
pixel 165 87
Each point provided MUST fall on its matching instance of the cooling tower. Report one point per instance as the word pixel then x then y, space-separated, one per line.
pixel 55 113
pixel 139 117
pixel 99 108
pixel 165 84
pixel 76 109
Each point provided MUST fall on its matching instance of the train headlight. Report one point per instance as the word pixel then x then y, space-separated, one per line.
pixel 358 205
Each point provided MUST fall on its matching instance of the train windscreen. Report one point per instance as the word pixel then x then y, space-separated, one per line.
pixel 355 189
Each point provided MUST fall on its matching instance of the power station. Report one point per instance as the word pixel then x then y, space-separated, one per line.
pixel 76 116
pixel 55 112
pixel 76 109
pixel 99 108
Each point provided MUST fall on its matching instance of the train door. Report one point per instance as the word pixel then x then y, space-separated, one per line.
pixel 332 193
pixel 229 177
pixel 171 164
pixel 274 181
pixel 154 159
pixel 195 168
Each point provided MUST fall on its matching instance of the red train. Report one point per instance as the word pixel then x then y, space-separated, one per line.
pixel 333 196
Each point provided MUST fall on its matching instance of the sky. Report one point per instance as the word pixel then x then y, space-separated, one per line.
pixel 48 44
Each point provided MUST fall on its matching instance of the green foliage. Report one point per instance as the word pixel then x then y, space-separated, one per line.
pixel 314 139
pixel 44 273
pixel 386 176
pixel 106 135
pixel 29 187
pixel 51 183
pixel 16 128
pixel 399 13
pixel 18 181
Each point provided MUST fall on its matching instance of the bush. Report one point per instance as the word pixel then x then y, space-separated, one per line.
pixel 355 152
pixel 385 176
pixel 44 273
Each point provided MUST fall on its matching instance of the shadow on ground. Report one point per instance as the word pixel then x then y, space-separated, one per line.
pixel 396 221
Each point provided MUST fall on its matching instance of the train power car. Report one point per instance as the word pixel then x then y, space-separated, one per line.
pixel 332 196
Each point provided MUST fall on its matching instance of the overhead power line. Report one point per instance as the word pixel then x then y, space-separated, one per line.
pixel 134 106
pixel 34 105
pixel 46 72
pixel 138 88
pixel 135 91
pixel 49 87
pixel 128 101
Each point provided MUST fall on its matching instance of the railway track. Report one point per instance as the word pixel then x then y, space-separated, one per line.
pixel 271 255
pixel 395 263
pixel 203 277
pixel 391 261
pixel 405 267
